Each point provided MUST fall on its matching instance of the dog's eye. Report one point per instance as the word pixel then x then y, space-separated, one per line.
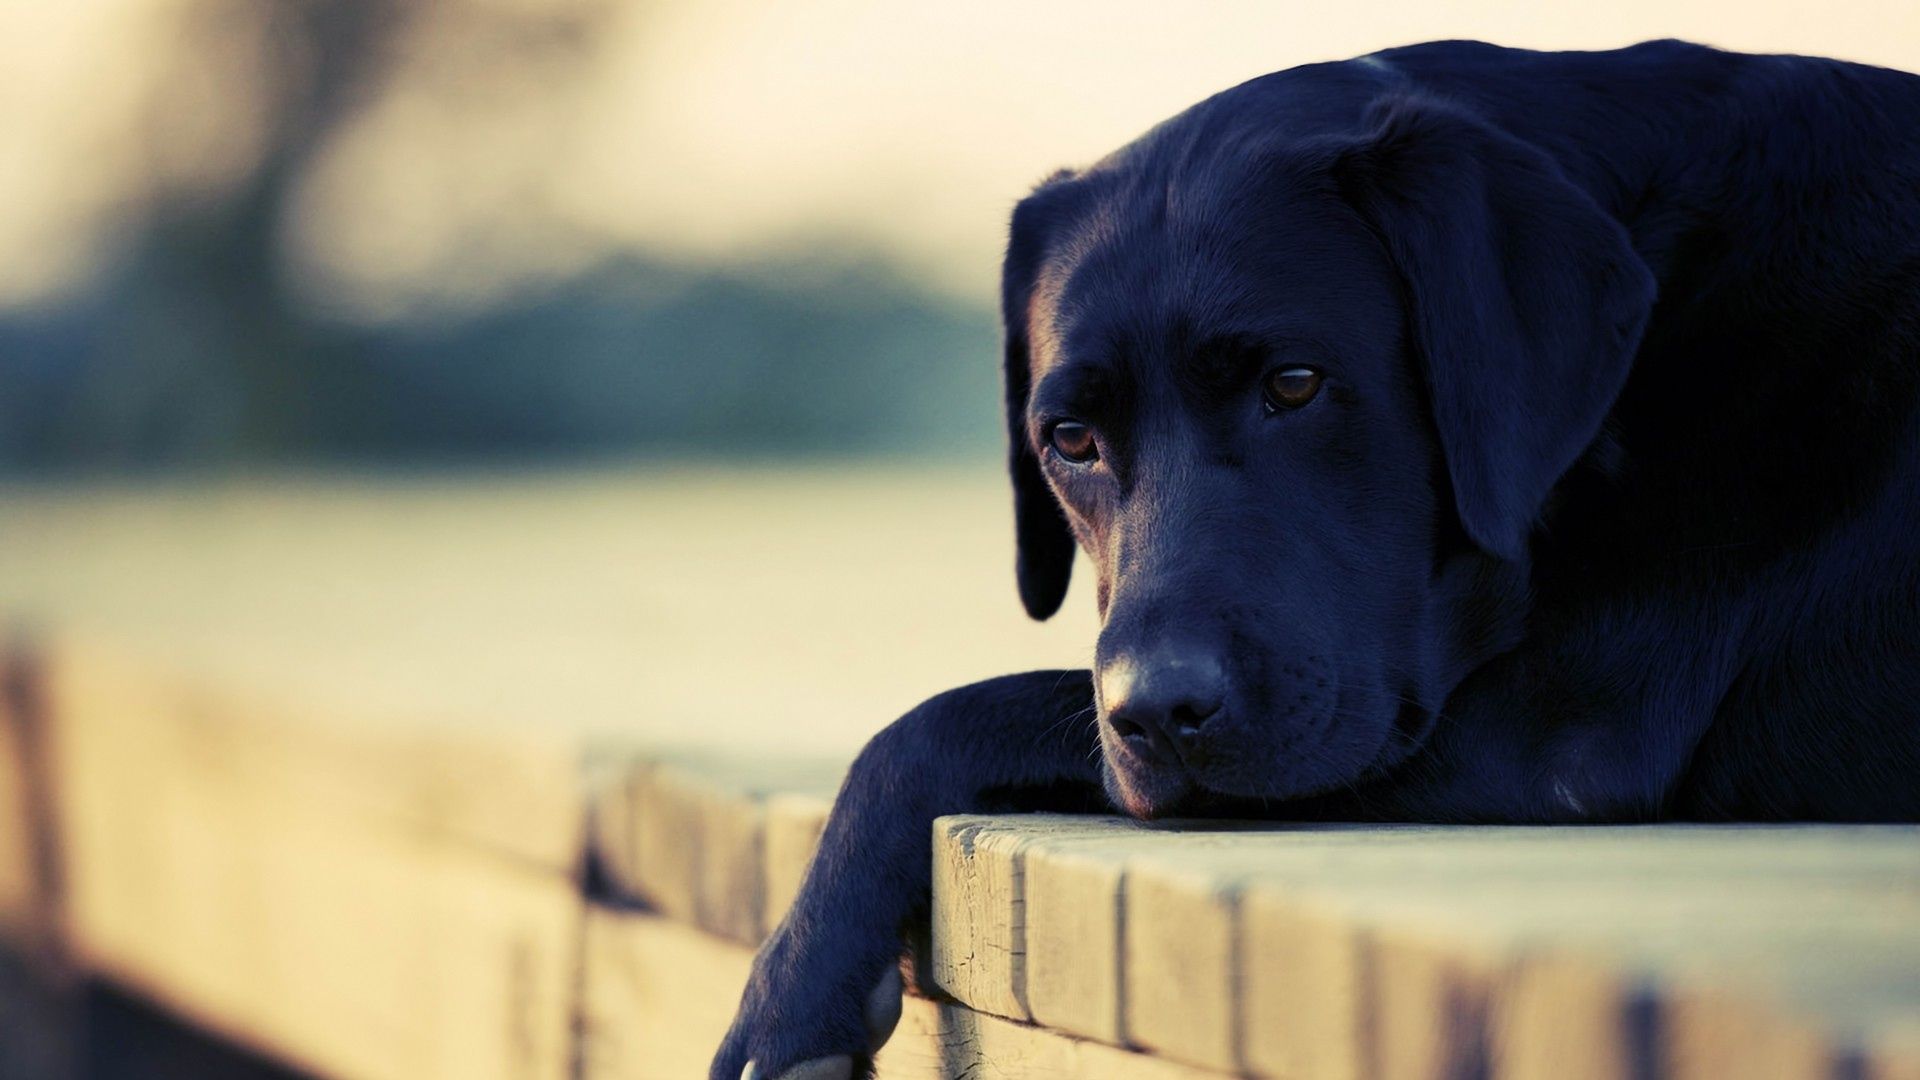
pixel 1073 440
pixel 1290 387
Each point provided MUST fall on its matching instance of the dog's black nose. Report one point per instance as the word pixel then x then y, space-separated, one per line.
pixel 1159 707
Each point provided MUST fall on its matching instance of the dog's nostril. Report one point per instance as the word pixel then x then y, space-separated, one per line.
pixel 1188 719
pixel 1143 734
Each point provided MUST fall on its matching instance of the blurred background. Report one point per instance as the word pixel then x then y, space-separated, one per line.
pixel 237 233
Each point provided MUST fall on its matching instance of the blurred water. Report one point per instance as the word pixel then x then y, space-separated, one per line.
pixel 631 358
pixel 796 609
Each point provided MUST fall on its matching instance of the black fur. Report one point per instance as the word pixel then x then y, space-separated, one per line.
pixel 1608 507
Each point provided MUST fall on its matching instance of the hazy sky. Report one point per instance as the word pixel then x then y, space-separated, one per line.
pixel 715 129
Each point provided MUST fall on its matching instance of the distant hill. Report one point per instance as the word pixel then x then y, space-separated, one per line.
pixel 635 358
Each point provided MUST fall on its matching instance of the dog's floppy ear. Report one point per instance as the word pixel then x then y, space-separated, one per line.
pixel 1044 561
pixel 1527 299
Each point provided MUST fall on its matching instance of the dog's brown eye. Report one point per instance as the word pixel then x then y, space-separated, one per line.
pixel 1290 388
pixel 1074 441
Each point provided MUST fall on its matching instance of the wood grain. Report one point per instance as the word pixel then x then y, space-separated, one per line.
pixel 336 926
pixel 660 995
pixel 687 835
pixel 1417 952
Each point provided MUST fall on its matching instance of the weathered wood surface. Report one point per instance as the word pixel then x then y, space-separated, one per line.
pixel 659 996
pixel 1674 951
pixel 701 839
pixel 342 900
pixel 794 824
pixel 28 875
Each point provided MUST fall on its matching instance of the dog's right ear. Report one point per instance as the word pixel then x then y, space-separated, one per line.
pixel 1044 560
pixel 1527 301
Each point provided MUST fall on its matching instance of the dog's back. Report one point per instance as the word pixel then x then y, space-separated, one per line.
pixel 1760 478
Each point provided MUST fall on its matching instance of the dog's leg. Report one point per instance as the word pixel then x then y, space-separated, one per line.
pixel 1563 731
pixel 825 989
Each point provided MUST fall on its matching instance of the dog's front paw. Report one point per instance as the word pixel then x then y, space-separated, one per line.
pixel 810 1017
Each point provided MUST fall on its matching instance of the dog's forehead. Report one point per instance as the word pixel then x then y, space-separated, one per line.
pixel 1048 313
pixel 1180 266
pixel 1124 271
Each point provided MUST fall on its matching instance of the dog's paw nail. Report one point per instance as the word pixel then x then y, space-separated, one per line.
pixel 751 1071
pixel 883 1009
pixel 837 1067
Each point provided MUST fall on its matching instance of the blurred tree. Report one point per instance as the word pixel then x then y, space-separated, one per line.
pixel 203 345
pixel 322 60
pixel 228 251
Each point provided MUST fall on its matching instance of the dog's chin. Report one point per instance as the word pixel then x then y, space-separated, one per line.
pixel 1146 793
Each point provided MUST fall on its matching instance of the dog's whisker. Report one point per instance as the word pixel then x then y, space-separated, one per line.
pixel 1066 720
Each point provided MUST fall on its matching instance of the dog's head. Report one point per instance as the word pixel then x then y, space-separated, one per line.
pixel 1301 388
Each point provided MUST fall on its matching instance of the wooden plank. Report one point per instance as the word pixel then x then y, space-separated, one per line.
pixel 1428 1006
pixel 517 792
pixel 680 866
pixel 1709 1037
pixel 1076 921
pixel 660 995
pixel 1189 993
pixel 1181 992
pixel 1557 953
pixel 1425 952
pixel 28 889
pixel 979 941
pixel 979 950
pixel 345 935
pixel 945 1041
pixel 1892 1052
pixel 1613 974
pixel 1565 1015
pixel 18 878
pixel 613 820
pixel 1059 929
pixel 686 834
pixel 1305 989
pixel 794 824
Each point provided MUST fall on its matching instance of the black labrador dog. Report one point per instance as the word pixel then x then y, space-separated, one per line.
pixel 1458 434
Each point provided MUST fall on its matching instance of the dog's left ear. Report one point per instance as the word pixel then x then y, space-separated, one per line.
pixel 1044 552
pixel 1528 301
